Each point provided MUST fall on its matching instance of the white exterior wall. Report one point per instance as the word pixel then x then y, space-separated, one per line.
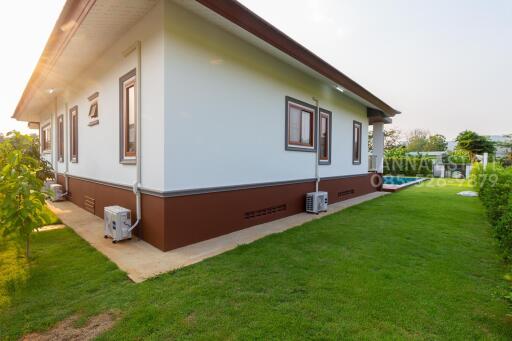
pixel 225 111
pixel 98 146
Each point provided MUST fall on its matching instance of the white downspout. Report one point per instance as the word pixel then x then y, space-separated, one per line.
pixel 317 144
pixel 138 161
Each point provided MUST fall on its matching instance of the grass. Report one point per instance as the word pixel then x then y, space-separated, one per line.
pixel 50 218
pixel 418 264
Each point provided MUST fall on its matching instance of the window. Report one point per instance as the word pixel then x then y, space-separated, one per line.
pixel 73 136
pixel 325 137
pixel 356 143
pixel 128 115
pixel 300 118
pixel 93 110
pixel 46 138
pixel 60 137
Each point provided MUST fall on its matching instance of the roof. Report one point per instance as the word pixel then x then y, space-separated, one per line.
pixel 75 11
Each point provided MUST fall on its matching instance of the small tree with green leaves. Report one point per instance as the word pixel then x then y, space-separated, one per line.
pixel 474 144
pixel 28 145
pixel 436 143
pixel 22 197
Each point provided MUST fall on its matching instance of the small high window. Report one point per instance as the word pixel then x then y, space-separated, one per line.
pixel 73 136
pixel 60 138
pixel 356 143
pixel 300 125
pixel 325 137
pixel 93 110
pixel 46 138
pixel 128 115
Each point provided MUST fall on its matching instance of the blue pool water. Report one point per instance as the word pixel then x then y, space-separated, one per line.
pixel 398 180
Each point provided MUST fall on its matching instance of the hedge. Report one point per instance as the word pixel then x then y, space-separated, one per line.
pixel 494 186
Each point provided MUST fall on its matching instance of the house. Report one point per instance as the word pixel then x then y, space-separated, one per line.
pixel 199 116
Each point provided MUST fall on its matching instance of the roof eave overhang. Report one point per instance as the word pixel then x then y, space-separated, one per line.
pixel 75 11
pixel 377 116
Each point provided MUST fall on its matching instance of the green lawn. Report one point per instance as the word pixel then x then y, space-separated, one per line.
pixel 418 264
pixel 50 218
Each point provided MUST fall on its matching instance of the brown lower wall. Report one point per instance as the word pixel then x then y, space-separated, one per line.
pixel 94 197
pixel 172 222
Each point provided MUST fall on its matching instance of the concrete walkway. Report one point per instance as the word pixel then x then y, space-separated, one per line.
pixel 141 260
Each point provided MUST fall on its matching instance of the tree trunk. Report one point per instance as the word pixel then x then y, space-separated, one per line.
pixel 27 248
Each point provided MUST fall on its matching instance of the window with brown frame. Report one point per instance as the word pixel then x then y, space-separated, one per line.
pixel 93 110
pixel 46 138
pixel 128 115
pixel 60 138
pixel 73 136
pixel 356 143
pixel 300 125
pixel 325 137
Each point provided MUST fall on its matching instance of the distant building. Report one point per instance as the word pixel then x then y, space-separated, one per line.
pixel 500 151
pixel 430 155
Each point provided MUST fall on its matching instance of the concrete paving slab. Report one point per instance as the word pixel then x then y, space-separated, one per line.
pixel 141 260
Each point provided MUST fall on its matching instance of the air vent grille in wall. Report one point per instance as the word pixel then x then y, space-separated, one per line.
pixel 345 193
pixel 265 211
pixel 89 204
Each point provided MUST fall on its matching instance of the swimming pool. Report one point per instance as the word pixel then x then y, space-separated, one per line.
pixel 396 183
pixel 398 180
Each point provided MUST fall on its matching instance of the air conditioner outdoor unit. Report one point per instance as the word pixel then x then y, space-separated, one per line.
pixel 48 183
pixel 316 202
pixel 117 223
pixel 57 192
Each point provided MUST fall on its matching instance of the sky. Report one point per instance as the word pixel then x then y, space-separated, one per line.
pixel 445 64
pixel 24 29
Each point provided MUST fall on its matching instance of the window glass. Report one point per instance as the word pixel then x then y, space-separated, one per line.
pixel 46 138
pixel 74 134
pixel 305 137
pixel 131 141
pixel 324 139
pixel 300 123
pixel 357 143
pixel 60 135
pixel 294 122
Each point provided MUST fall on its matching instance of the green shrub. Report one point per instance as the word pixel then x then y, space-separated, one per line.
pixel 503 232
pixel 409 166
pixel 495 187
pixel 457 157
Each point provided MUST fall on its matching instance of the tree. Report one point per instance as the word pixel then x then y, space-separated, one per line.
pixel 22 198
pixel 474 144
pixel 391 139
pixel 29 145
pixel 436 143
pixel 417 140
